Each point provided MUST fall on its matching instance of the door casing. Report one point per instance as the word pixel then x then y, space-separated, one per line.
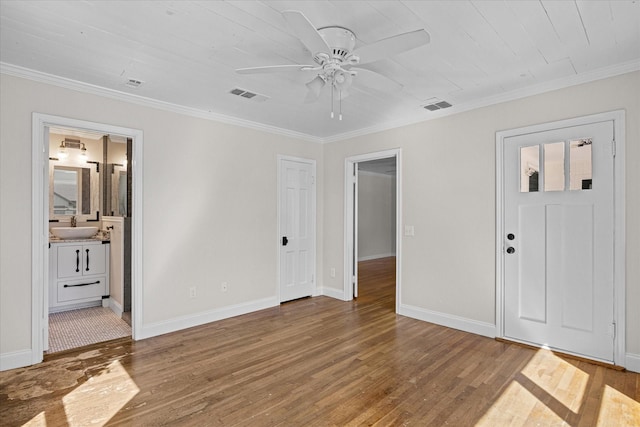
pixel 40 226
pixel 350 234
pixel 618 118
pixel 312 215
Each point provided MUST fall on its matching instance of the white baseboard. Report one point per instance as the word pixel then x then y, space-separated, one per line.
pixel 189 321
pixel 449 320
pixel 116 307
pixel 632 362
pixel 333 293
pixel 370 257
pixel 15 359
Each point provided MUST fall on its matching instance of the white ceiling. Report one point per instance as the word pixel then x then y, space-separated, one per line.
pixel 186 53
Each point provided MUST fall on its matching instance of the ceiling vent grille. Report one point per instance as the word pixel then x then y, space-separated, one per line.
pixel 434 106
pixel 134 83
pixel 249 95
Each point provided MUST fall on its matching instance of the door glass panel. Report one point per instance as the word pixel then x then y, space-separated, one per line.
pixel 554 166
pixel 529 168
pixel 580 167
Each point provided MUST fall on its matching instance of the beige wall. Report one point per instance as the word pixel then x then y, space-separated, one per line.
pixel 210 205
pixel 376 215
pixel 210 201
pixel 449 197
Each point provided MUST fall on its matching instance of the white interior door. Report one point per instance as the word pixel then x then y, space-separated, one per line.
pixel 297 229
pixel 559 239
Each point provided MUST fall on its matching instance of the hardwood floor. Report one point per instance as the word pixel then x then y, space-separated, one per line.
pixel 318 362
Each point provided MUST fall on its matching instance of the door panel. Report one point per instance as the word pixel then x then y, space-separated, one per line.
pixel 297 246
pixel 559 207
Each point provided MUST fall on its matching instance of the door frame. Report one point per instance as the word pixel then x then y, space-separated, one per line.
pixel 619 253
pixel 40 224
pixel 351 235
pixel 313 221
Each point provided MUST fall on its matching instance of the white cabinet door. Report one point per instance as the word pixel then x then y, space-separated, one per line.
pixel 70 261
pixel 81 260
pixel 94 259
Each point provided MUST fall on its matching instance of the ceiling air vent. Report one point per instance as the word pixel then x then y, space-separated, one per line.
pixel 134 83
pixel 438 105
pixel 249 95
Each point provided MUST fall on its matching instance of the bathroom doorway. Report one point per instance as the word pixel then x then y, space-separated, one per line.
pixel 88 190
pixel 79 291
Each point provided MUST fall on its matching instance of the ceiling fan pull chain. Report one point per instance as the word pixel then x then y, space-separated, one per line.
pixel 332 100
pixel 340 95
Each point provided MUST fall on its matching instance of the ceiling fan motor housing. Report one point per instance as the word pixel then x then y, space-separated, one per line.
pixel 340 40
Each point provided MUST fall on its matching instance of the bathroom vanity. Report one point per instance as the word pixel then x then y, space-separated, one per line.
pixel 78 274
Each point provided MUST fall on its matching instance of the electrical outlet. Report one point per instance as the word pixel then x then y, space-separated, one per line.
pixel 192 292
pixel 333 272
pixel 223 287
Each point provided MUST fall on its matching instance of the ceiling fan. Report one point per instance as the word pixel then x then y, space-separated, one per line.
pixel 336 60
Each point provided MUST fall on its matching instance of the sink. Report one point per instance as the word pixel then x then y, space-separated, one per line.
pixel 74 232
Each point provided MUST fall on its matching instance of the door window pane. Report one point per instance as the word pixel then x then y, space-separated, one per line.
pixel 529 168
pixel 554 166
pixel 580 167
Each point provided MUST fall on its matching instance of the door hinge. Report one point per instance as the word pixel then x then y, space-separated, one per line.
pixel 613 147
pixel 313 179
pixel 312 278
pixel 612 330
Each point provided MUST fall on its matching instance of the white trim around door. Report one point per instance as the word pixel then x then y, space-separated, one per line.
pixel 350 211
pixel 40 227
pixel 618 147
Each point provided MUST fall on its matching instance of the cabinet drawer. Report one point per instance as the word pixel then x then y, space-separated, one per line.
pixel 81 289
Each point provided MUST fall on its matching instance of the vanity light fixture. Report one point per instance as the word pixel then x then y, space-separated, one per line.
pixel 83 151
pixel 62 151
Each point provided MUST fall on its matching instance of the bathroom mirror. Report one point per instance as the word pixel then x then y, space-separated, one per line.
pixel 72 192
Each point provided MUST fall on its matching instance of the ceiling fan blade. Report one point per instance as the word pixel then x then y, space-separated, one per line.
pixel 376 81
pixel 392 46
pixel 306 32
pixel 315 87
pixel 273 69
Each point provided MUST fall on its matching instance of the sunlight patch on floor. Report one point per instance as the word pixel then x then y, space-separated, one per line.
pixel 96 401
pixel 558 378
pixel 617 409
pixel 515 406
pixel 39 420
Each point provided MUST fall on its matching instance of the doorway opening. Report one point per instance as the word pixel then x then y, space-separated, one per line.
pixel 86 179
pixel 372 224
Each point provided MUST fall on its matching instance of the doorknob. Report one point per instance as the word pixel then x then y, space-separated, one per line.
pixel 285 241
pixel 510 250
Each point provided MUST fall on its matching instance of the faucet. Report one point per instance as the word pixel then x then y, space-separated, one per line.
pixel 73 221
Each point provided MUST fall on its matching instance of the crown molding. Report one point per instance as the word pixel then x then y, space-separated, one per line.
pixel 63 82
pixel 565 82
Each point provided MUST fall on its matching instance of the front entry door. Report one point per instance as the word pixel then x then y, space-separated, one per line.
pixel 559 239
pixel 297 229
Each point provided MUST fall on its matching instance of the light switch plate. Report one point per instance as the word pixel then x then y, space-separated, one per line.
pixel 409 230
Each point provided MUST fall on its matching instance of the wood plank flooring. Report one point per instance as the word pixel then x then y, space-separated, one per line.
pixel 318 362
